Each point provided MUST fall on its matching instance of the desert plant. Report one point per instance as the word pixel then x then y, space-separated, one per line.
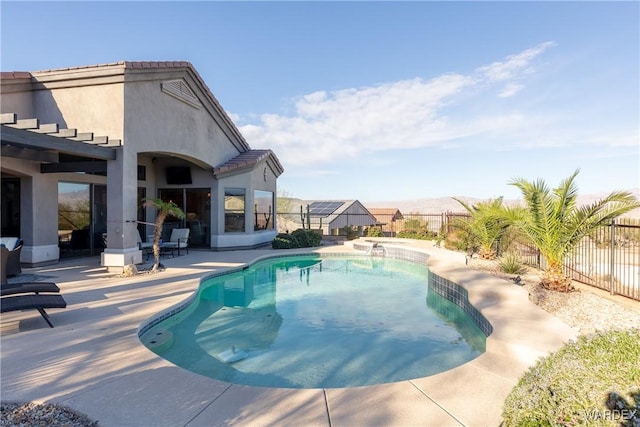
pixel 164 210
pixel 511 263
pixel 300 238
pixel 284 241
pixel 305 218
pixel 375 232
pixel 580 384
pixel 416 228
pixel 460 240
pixel 421 234
pixel 553 222
pixel 349 231
pixel 306 238
pixel 485 226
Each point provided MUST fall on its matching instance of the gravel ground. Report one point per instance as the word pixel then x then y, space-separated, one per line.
pixel 21 414
pixel 581 309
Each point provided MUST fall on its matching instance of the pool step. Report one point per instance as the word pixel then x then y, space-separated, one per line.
pixel 158 341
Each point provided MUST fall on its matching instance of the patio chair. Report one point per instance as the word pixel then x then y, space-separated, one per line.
pixel 14 246
pixel 146 247
pixel 30 302
pixel 179 240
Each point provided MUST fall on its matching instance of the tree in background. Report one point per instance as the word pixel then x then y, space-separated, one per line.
pixel 553 222
pixel 484 227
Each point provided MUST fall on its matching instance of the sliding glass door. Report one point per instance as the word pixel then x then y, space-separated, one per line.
pixel 82 219
pixel 196 204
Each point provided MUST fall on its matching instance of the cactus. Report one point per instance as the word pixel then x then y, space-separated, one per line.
pixel 303 217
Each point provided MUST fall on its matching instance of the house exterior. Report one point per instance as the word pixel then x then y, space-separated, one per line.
pixel 83 147
pixel 332 215
pixel 386 218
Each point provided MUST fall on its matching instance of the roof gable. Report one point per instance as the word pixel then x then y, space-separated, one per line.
pixel 248 160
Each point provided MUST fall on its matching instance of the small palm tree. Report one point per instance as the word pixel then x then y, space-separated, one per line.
pixel 553 222
pixel 485 226
pixel 164 210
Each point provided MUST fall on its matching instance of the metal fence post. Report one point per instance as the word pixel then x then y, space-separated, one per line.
pixel 612 256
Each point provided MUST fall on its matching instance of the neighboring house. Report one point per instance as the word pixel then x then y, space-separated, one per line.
pixel 385 219
pixel 82 148
pixel 386 215
pixel 332 215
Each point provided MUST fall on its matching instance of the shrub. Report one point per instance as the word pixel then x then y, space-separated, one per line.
pixel 284 241
pixel 300 238
pixel 511 263
pixel 375 232
pixel 460 240
pixel 350 232
pixel 306 238
pixel 421 234
pixel 581 384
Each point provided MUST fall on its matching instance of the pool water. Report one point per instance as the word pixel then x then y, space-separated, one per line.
pixel 320 322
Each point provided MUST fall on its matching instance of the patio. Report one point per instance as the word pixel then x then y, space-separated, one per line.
pixel 93 361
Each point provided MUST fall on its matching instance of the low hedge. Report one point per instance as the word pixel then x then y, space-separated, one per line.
pixel 284 241
pixel 298 239
pixel 594 381
pixel 417 234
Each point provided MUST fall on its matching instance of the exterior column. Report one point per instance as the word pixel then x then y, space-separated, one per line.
pixel 122 194
pixel 38 227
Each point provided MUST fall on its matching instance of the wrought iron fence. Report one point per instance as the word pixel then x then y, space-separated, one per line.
pixel 390 224
pixel 609 258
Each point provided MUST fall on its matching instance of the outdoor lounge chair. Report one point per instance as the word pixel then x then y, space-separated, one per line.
pixel 28 288
pixel 179 240
pixel 27 296
pixel 30 302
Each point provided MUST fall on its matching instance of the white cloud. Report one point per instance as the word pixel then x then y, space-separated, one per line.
pixel 328 125
pixel 514 65
pixel 510 90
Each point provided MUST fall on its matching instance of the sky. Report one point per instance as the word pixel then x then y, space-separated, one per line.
pixel 384 100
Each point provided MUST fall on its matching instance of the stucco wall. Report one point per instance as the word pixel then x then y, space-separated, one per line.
pixel 96 109
pixel 158 122
pixel 250 181
pixel 20 103
pixel 128 103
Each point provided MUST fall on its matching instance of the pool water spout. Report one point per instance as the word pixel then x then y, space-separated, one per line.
pixel 377 250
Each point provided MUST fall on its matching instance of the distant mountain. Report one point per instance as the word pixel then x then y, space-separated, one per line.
pixel 444 204
pixel 447 204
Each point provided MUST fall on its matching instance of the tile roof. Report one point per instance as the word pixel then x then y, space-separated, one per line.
pixel 248 159
pixel 383 211
pixel 6 75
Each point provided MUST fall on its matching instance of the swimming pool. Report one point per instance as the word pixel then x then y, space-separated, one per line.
pixel 318 322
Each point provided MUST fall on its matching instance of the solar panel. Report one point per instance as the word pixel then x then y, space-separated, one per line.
pixel 323 208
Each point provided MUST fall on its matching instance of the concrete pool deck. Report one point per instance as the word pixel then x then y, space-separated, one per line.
pixel 93 361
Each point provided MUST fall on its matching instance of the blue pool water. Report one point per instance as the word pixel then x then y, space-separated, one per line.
pixel 312 322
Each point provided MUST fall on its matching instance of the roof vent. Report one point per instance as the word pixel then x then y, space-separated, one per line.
pixel 180 90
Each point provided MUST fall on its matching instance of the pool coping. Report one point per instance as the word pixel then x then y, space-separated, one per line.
pixel 94 362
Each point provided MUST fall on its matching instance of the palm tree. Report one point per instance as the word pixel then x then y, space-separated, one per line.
pixel 164 210
pixel 553 222
pixel 485 226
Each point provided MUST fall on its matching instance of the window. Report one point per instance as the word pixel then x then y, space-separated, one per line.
pixel 234 209
pixel 263 210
